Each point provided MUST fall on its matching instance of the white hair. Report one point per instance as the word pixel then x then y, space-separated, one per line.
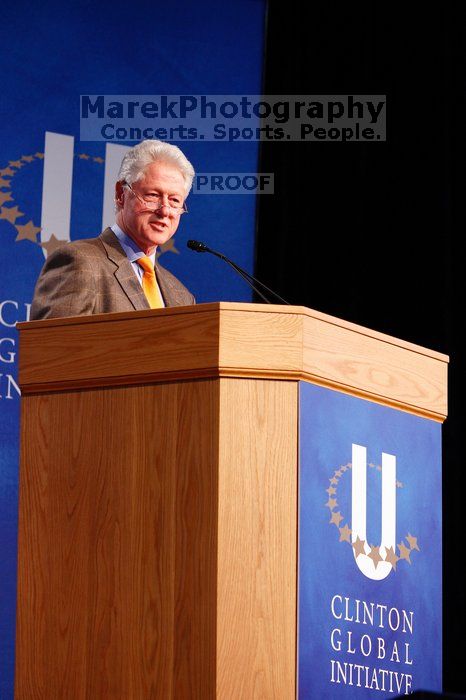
pixel 150 151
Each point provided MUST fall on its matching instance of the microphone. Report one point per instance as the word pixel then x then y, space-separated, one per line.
pixel 200 247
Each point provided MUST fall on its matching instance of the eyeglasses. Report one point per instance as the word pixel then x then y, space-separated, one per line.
pixel 155 202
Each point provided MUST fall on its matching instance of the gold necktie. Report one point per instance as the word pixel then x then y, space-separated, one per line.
pixel 149 283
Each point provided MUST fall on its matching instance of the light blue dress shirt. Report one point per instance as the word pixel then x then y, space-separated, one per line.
pixel 133 252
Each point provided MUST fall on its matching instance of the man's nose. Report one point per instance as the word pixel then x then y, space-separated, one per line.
pixel 164 209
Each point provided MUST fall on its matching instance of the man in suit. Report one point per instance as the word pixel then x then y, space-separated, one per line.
pixel 115 271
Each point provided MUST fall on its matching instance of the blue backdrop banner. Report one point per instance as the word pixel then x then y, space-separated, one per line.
pixel 370 558
pixel 54 187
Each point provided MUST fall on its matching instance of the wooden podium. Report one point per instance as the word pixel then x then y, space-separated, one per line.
pixel 158 493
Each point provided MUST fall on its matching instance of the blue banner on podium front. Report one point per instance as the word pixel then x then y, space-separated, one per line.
pixel 370 549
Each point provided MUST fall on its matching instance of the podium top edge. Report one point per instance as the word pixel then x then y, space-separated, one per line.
pixel 224 306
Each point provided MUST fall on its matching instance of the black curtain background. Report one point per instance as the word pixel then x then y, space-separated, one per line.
pixel 371 232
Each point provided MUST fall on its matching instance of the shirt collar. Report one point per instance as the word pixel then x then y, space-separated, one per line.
pixel 132 250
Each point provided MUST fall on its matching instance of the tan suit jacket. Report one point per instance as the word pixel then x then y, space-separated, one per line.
pixel 94 276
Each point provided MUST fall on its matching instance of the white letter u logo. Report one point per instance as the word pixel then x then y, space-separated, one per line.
pixel 374 566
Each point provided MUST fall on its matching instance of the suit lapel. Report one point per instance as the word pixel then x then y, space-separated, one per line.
pixel 164 286
pixel 124 272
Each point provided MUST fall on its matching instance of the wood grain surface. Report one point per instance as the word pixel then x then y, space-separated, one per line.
pixel 117 544
pixel 257 540
pixel 157 543
pixel 232 340
pixel 157 524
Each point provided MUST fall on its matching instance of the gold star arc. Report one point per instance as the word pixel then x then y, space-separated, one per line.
pixel 345 534
pixel 404 552
pixel 10 214
pixel 374 554
pixel 168 246
pixel 336 518
pixel 358 546
pixel 5 197
pixel 27 232
pixel 53 243
pixel 391 557
pixel 412 541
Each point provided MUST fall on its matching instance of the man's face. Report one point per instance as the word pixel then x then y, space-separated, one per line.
pixel 150 229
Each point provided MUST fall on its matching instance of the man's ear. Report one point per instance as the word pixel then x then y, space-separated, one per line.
pixel 119 193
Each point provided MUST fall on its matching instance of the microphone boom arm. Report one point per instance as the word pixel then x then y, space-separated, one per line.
pixel 202 248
